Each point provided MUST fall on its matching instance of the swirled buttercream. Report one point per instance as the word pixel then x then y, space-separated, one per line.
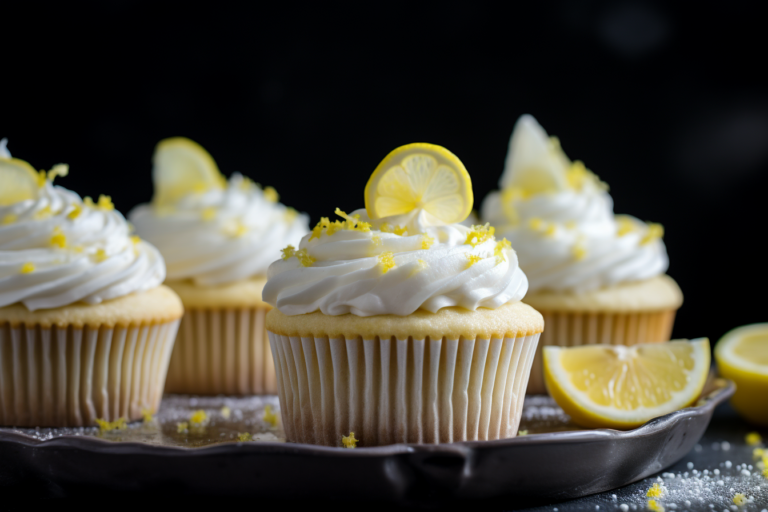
pixel 379 267
pixel 56 250
pixel 223 235
pixel 559 217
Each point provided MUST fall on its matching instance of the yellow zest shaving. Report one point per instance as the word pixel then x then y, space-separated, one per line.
pixel 87 201
pixel 498 251
pixel 271 195
pixel 108 426
pixel 75 212
pixel 330 227
pixel 290 214
pixel 317 231
pixel 655 506
pixel 105 203
pixel 208 213
pixel 579 252
pixel 548 228
pixel 655 491
pixel 625 225
pixel 349 441
pixel 10 219
pixel 655 231
pixel 508 197
pixel 578 176
pixel 43 213
pixel 244 436
pixel 288 252
pixel 387 261
pixel 739 499
pixel 753 439
pixel 353 222
pixel 58 238
pixel 182 427
pixel 304 258
pixel 225 412
pixel 472 259
pixel 135 239
pixel 269 417
pixel 522 433
pixel 247 184
pixel 571 224
pixel 479 234
pixel 426 241
pixel 101 255
pixel 199 418
pixel 58 170
pixel 28 268
pixel 42 178
pixel 422 264
pixel 147 416
pixel 78 248
pixel 399 231
pixel 376 240
pixel 385 227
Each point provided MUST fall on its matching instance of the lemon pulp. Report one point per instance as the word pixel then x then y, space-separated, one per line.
pixel 19 181
pixel 420 176
pixel 181 167
pixel 624 387
pixel 742 356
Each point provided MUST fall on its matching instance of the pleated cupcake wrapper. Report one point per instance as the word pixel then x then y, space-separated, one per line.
pixel 67 376
pixel 222 352
pixel 569 329
pixel 401 391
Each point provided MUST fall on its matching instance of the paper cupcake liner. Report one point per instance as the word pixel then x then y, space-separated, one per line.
pixel 401 391
pixel 67 376
pixel 571 329
pixel 222 352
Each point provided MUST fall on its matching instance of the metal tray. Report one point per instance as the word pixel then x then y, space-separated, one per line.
pixel 555 460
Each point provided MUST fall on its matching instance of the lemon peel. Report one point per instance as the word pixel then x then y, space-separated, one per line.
pixel 108 426
pixel 75 212
pixel 387 261
pixel 147 416
pixel 498 251
pixel 27 268
pixel 472 259
pixel 43 213
pixel 349 441
pixel 271 195
pixel 742 356
pixel 578 251
pixel 508 197
pixel 655 491
pixel 739 499
pixel 182 427
pixel 58 238
pixel 376 241
pixel 269 417
pixel 479 234
pixel 655 506
pixel 353 221
pixel 426 241
pixel 182 167
pixel 199 418
pixel 304 258
pixel 290 214
pixel 244 437
pixel 655 232
pixel 288 252
pixel 101 255
pixel 19 179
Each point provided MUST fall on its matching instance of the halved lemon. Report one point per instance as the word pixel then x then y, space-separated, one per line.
pixel 19 181
pixel 742 356
pixel 181 167
pixel 420 176
pixel 614 386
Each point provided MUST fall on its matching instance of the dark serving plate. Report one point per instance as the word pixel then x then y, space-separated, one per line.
pixel 554 461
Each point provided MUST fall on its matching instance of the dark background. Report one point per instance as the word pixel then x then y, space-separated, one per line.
pixel 666 103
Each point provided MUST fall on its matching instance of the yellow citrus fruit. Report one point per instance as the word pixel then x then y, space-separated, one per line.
pixel 614 386
pixel 19 181
pixel 420 176
pixel 742 356
pixel 182 167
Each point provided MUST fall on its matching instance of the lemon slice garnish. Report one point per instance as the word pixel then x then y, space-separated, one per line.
pixel 742 356
pixel 420 176
pixel 535 162
pixel 615 386
pixel 182 167
pixel 19 181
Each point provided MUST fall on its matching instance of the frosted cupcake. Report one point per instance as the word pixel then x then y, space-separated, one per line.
pixel 595 276
pixel 218 238
pixel 396 322
pixel 86 330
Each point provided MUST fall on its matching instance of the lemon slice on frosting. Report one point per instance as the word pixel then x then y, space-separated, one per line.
pixel 19 181
pixel 615 386
pixel 182 167
pixel 742 356
pixel 422 177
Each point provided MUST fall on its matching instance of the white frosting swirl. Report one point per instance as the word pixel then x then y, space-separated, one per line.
pixel 348 273
pixel 55 251
pixel 568 239
pixel 220 235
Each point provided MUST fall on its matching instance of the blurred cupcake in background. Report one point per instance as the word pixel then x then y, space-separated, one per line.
pixel 86 329
pixel 218 238
pixel 595 276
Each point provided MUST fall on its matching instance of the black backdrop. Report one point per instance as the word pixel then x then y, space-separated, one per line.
pixel 666 103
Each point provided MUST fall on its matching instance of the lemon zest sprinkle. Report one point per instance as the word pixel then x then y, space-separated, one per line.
pixel 376 240
pixel 244 437
pixel 290 214
pixel 182 427
pixel 288 252
pixel 400 231
pixel 522 433
pixel 239 230
pixel 317 231
pixel 101 255
pixel 58 170
pixel 208 213
pixel 78 248
pixel 58 238
pixel 426 241
pixel 10 219
pixel 655 232
pixel 199 418
pixel 655 506
pixel 479 234
pixel 226 412
pixel 625 225
pixel 349 441
pixel 42 178
pixel 472 259
pixel 75 212
pixel 105 203
pixel 304 258
pixel 739 499
pixel 108 426
pixel 353 221
pixel 385 227
pixel 655 491
pixel 87 201
pixel 535 223
pixel 135 239
pixel 269 416
pixel 578 175
pixel 579 252
pixel 550 230
pixel 423 264
pixel 387 261
pixel 28 268
pixel 498 251
pixel 147 416
pixel 508 197
pixel 43 213
pixel 571 224
pixel 753 439
pixel 247 183
pixel 271 195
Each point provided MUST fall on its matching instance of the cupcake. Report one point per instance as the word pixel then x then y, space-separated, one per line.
pixel 595 276
pixel 397 323
pixel 218 238
pixel 86 329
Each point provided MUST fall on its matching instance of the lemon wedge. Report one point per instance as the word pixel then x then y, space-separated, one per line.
pixel 19 181
pixel 182 167
pixel 615 386
pixel 424 177
pixel 742 356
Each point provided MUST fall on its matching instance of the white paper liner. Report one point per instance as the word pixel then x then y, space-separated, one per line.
pixel 401 391
pixel 569 329
pixel 222 351
pixel 66 376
